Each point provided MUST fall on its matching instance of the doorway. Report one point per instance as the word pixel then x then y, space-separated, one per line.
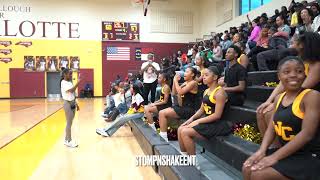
pixel 53 85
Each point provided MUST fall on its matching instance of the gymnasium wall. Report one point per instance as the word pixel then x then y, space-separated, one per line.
pixel 73 28
pixel 111 69
pixel 88 51
pixel 210 8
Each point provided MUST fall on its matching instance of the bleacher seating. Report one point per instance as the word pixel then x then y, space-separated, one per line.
pixel 227 153
pixel 230 149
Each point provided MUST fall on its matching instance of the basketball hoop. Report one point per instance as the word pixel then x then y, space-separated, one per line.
pixel 137 3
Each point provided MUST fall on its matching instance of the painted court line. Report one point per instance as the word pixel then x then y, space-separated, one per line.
pixel 20 157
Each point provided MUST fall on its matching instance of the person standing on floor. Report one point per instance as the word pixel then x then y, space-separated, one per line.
pixel 70 106
pixel 150 72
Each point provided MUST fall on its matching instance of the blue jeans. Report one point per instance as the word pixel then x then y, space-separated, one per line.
pixel 110 105
pixel 123 108
pixel 120 121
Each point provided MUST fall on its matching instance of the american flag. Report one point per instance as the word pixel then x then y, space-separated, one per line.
pixel 118 53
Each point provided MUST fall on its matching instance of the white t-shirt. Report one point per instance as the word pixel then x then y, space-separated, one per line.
pixel 53 66
pixel 149 75
pixel 118 99
pixel 138 99
pixel 65 86
pixel 42 66
pixel 64 64
pixel 75 64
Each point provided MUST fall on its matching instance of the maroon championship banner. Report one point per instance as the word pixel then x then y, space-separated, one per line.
pixel 120 31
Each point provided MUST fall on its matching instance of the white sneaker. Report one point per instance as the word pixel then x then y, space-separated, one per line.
pixel 102 132
pixel 71 144
pixel 103 114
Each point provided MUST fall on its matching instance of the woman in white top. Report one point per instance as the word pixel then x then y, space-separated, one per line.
pixel 217 51
pixel 70 105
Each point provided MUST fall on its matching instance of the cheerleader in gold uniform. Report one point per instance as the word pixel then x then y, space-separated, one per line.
pixel 213 108
pixel 164 101
pixel 295 126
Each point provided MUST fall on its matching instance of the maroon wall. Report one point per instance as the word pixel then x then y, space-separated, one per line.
pixel 87 77
pixel 26 84
pixel 110 69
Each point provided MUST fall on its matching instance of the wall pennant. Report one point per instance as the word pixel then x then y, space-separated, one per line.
pixel 5 51
pixel 24 43
pixel 5 43
pixel 6 60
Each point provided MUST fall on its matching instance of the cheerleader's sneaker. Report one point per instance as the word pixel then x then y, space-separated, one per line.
pixel 71 144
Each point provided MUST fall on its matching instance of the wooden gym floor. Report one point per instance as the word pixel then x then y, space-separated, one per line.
pixel 31 144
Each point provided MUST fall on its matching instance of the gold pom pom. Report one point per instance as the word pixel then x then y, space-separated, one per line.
pixel 249 133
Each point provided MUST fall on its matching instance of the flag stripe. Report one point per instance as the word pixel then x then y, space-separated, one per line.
pixel 118 53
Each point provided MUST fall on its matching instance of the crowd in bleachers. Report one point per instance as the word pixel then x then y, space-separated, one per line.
pixel 199 86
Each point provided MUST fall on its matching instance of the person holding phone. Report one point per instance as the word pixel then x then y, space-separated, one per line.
pixel 70 106
pixel 150 72
pixel 187 96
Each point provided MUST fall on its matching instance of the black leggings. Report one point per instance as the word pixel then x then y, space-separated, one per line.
pixel 147 87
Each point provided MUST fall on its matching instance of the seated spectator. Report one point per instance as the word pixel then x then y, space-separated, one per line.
pixel 236 38
pixel 164 101
pixel 305 21
pixel 276 14
pixel 263 40
pixel 252 41
pixel 176 62
pixel 315 8
pixel 294 17
pixel 295 125
pixel 110 102
pixel 121 99
pixel 217 51
pixel 262 45
pixel 243 58
pixel 136 111
pixel 187 97
pixel 168 68
pixel 284 12
pixel 213 107
pixel 272 57
pixel 270 22
pixel 316 21
pixel 304 3
pixel 225 44
pixel 193 57
pixel 186 62
pixel 234 80
pixel 263 20
pixel 235 77
pixel 283 29
pixel 308 49
pixel 202 64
